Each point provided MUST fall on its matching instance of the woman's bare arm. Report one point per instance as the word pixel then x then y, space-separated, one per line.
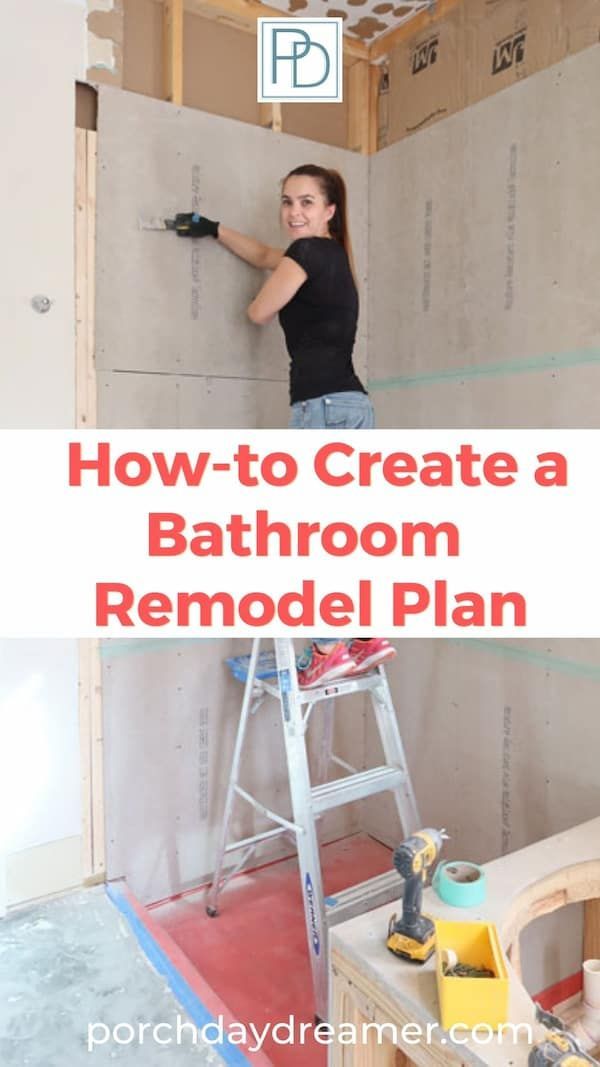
pixel 249 249
pixel 277 291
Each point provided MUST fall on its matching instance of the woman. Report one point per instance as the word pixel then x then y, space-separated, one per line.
pixel 313 290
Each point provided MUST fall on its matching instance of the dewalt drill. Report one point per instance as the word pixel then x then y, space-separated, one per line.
pixel 413 935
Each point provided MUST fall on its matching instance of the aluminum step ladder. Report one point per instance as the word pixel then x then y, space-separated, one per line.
pixel 309 802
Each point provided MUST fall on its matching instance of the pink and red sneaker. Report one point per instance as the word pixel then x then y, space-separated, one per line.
pixel 369 652
pixel 318 668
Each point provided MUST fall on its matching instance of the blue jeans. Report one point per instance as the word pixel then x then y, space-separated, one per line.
pixel 334 411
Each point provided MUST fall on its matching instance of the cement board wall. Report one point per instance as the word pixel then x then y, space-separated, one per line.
pixel 171 311
pixel 484 259
pixel 171 712
pixel 483 311
pixel 174 348
pixel 502 741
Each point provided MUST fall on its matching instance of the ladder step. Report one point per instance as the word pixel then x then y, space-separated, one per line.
pixel 341 687
pixel 257 839
pixel 355 787
pixel 276 676
pixel 364 897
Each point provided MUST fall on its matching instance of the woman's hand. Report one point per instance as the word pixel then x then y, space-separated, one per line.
pixel 191 224
pixel 257 254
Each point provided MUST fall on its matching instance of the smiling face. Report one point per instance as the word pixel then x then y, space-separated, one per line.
pixel 304 209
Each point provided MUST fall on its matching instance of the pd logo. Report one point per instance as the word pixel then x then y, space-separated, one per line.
pixel 299 59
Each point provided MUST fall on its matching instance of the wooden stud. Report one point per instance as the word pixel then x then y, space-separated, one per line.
pixel 90 709
pixel 270 116
pixel 85 244
pixel 591 930
pixel 173 50
pixel 90 367
pixel 374 76
pixel 86 770
pixel 97 760
pixel 92 761
pixel 383 45
pixel 80 274
pixel 402 1059
pixel 358 82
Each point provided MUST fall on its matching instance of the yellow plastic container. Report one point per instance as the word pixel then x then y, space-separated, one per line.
pixel 471 1001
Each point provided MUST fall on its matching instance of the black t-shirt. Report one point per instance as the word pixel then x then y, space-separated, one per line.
pixel 319 322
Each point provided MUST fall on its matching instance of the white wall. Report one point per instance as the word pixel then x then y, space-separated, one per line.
pixel 42 53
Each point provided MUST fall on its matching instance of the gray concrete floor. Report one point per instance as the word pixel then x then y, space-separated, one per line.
pixel 70 962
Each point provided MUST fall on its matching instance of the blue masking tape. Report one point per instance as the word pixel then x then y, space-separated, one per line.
pixel 460 883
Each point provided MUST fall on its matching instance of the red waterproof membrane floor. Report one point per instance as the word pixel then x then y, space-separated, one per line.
pixel 254 954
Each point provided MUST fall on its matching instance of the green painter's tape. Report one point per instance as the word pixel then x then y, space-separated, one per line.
pixel 460 884
pixel 143 646
pixel 551 361
pixel 547 661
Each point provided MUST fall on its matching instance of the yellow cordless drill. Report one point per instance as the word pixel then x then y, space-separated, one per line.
pixel 413 935
pixel 559 1048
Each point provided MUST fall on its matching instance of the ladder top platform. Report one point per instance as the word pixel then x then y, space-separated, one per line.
pixel 267 669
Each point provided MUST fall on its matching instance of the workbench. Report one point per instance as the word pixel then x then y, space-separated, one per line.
pixel 369 984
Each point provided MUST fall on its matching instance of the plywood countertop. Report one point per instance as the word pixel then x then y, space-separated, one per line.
pixel 521 886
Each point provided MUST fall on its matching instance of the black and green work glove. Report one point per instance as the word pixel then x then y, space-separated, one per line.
pixel 191 224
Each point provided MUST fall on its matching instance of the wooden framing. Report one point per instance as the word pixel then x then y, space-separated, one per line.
pixel 358 81
pixel 173 50
pixel 92 762
pixel 90 704
pixel 374 77
pixel 85 276
pixel 271 117
pixel 359 59
pixel 591 930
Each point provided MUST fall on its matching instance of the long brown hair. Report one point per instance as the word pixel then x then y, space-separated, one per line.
pixel 333 187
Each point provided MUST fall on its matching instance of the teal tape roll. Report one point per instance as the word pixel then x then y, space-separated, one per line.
pixel 460 883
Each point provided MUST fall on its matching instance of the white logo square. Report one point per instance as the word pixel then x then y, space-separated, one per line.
pixel 299 59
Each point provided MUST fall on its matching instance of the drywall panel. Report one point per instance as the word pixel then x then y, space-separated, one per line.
pixel 46 869
pixel 42 53
pixel 37 181
pixel 482 293
pixel 39 743
pixel 170 306
pixel 171 711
